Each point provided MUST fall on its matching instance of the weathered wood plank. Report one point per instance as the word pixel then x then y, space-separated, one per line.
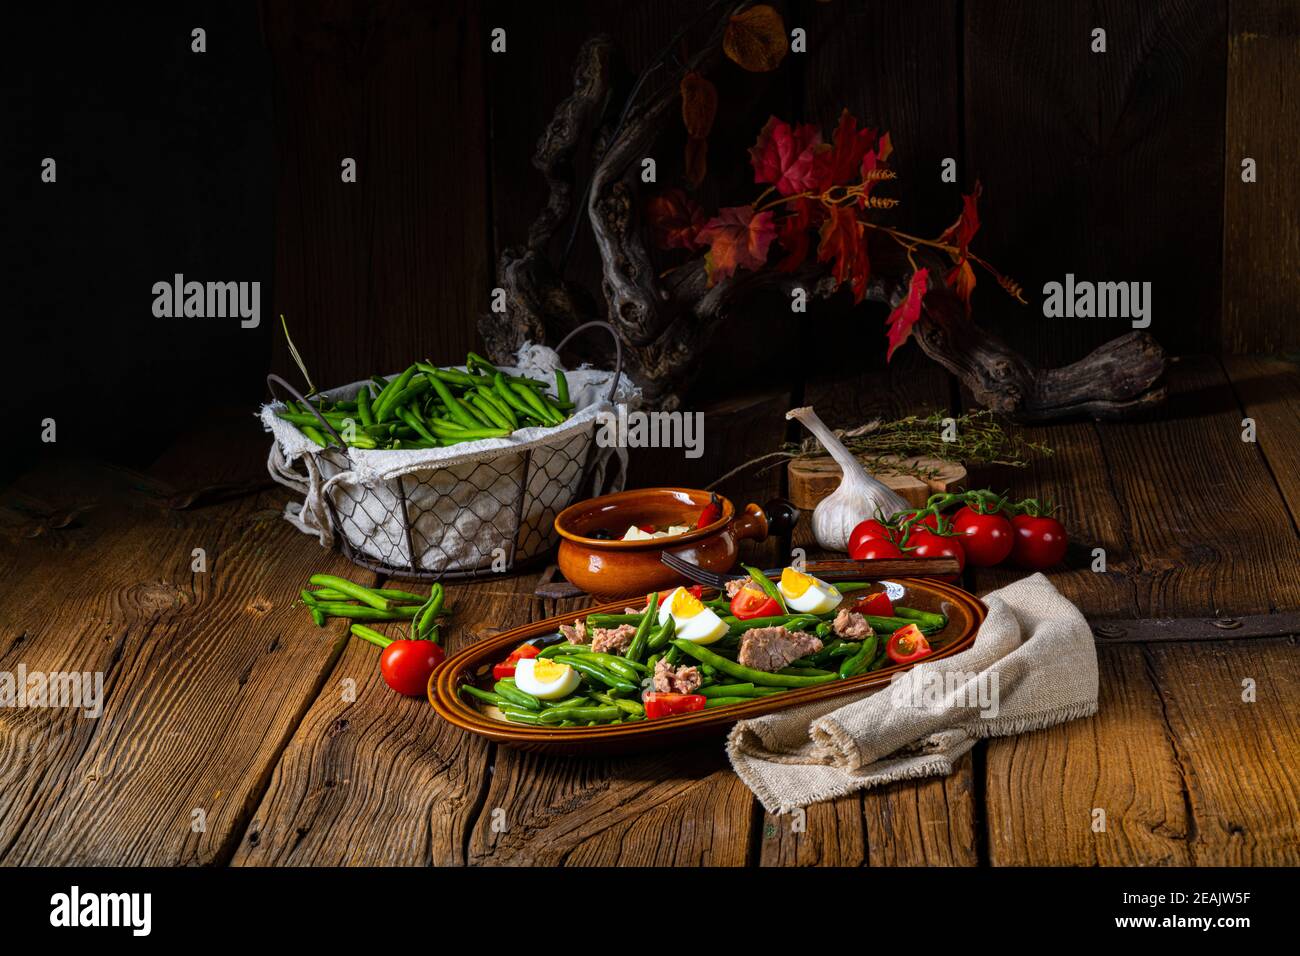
pixel 205 674
pixel 380 779
pixel 1269 392
pixel 398 87
pixel 1261 227
pixel 1240 757
pixel 1079 194
pixel 1044 790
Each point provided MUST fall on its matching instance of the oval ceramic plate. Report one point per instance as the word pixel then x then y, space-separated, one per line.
pixel 473 665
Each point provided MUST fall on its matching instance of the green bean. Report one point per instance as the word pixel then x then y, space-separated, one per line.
pixel 363 406
pixel 711 702
pixel 728 690
pixel 394 595
pixel 598 713
pixel 355 591
pixel 563 647
pixel 369 634
pixel 539 408
pixel 385 400
pixel 508 396
pixel 620 666
pixel 747 674
pixel 737 626
pixel 486 696
pixel 857 663
pixel 508 690
pixel 612 620
pixel 662 635
pixel 454 407
pixel 637 648
pixel 804 671
pixel 561 386
pixel 317 615
pixel 519 715
pixel 364 613
pixel 596 672
pixel 488 395
pixel 769 691
pixel 494 418
pixel 411 419
pixel 924 618
pixel 630 707
pixel 770 589
pixel 428 612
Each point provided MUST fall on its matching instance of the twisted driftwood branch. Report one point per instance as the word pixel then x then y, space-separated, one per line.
pixel 666 321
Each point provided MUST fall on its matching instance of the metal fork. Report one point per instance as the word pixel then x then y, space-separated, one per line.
pixel 884 567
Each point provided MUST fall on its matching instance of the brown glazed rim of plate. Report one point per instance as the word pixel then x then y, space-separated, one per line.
pixel 653 544
pixel 444 683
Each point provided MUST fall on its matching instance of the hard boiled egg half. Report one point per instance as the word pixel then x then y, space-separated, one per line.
pixel 692 621
pixel 545 679
pixel 807 594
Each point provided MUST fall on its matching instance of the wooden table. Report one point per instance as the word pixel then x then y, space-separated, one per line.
pixel 235 732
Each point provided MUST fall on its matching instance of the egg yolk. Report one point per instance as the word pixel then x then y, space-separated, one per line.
pixel 685 604
pixel 545 670
pixel 795 583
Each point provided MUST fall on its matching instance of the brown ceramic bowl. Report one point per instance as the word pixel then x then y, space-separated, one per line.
pixel 609 569
pixel 474 665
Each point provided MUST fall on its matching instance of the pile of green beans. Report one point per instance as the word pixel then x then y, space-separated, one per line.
pixel 339 597
pixel 430 407
pixel 611 684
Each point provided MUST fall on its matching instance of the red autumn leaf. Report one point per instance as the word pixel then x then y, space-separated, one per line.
pixel 737 239
pixel 885 147
pixel 675 220
pixel 904 317
pixel 842 240
pixel 849 146
pixel 787 156
pixel 961 278
pixel 699 109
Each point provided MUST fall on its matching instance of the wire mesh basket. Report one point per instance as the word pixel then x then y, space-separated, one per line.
pixel 465 515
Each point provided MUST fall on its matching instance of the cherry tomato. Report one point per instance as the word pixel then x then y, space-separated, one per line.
pixel 873 549
pixel 986 538
pixel 507 667
pixel 865 530
pixel 931 521
pixel 924 543
pixel 669 705
pixel 1040 542
pixel 406 665
pixel 907 644
pixel 752 602
pixel 877 604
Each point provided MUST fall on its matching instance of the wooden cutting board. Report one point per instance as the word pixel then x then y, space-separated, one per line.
pixel 812 479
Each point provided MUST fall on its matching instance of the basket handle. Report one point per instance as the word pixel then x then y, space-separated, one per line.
pixel 272 381
pixel 618 351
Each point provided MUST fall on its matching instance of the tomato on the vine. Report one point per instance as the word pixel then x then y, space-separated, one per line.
pixel 1040 542
pixel 931 520
pixel 865 531
pixel 924 543
pixel 873 549
pixel 987 538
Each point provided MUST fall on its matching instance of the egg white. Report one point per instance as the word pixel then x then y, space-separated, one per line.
pixel 562 686
pixel 820 598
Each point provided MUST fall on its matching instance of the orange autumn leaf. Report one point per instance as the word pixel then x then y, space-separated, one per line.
pixel 904 317
pixel 755 39
pixel 842 241
pixel 961 278
pixel 699 104
pixel 675 220
pixel 738 238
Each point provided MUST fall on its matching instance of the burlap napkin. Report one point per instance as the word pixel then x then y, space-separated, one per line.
pixel 1033 664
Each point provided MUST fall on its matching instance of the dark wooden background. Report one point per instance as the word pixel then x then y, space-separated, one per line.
pixel 1115 166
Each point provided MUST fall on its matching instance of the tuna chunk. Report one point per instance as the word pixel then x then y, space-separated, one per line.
pixel 771 648
pixel 575 633
pixel 612 640
pixel 676 680
pixel 735 586
pixel 851 625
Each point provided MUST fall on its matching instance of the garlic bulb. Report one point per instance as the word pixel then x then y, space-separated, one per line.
pixel 858 497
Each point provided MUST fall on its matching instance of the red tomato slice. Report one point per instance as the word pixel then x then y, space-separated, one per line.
pixel 752 602
pixel 669 705
pixel 507 667
pixel 877 604
pixel 907 644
